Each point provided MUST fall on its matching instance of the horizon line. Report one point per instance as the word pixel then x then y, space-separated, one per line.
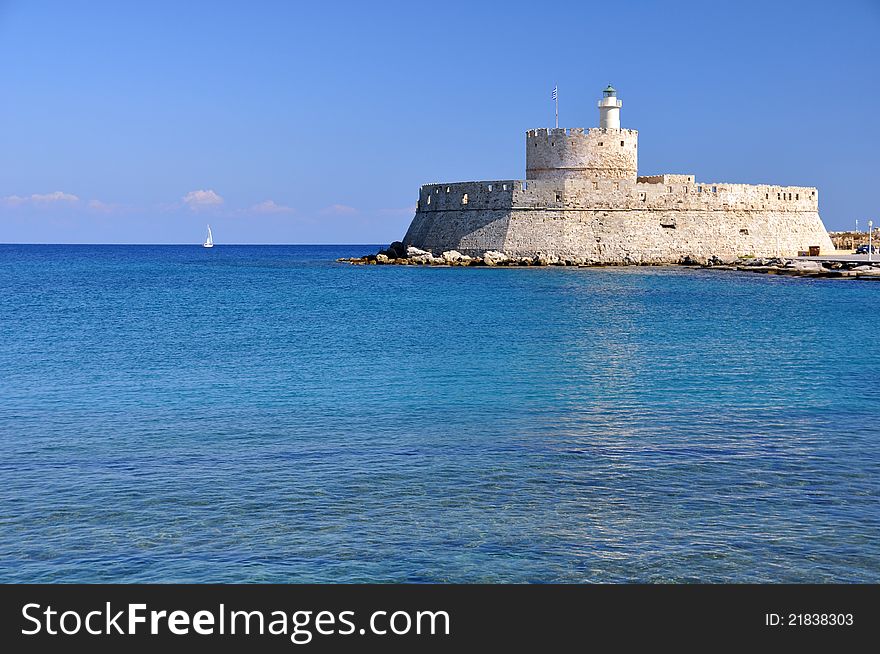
pixel 194 244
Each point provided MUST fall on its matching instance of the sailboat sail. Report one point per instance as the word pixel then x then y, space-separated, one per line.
pixel 209 242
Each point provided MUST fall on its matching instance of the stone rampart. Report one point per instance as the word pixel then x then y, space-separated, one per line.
pixel 660 220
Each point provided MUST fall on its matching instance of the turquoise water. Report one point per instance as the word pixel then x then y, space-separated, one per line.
pixel 258 413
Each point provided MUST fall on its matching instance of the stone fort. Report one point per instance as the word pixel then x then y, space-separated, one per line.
pixel 583 201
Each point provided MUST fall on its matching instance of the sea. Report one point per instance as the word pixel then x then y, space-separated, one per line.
pixel 266 414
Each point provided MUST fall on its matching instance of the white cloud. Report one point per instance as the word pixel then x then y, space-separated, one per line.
pixel 338 210
pixel 270 206
pixel 102 207
pixel 14 200
pixel 202 199
pixel 40 199
pixel 56 196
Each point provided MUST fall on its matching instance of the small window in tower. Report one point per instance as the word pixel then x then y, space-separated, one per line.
pixel 600 142
pixel 504 187
pixel 559 197
pixel 490 186
pixel 437 190
pixel 714 189
pixel 447 189
pixel 699 189
pixel 643 196
pixel 524 186
pixel 744 232
pixel 429 199
pixel 621 144
pixel 779 196
pixel 669 188
pixel 464 199
pixel 766 196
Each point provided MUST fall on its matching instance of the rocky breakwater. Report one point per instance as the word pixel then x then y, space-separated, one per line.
pixel 839 268
pixel 398 254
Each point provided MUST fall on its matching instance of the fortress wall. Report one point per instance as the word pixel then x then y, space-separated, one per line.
pixel 470 232
pixel 660 220
pixel 467 195
pixel 668 192
pixel 674 193
pixel 557 154
pixel 653 236
pixel 620 235
pixel 665 179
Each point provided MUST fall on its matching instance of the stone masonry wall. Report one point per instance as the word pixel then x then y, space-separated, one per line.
pixel 659 219
pixel 557 154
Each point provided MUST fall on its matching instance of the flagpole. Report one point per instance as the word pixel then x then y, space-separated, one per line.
pixel 557 106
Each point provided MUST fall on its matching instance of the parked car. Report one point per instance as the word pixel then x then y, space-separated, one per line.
pixel 863 249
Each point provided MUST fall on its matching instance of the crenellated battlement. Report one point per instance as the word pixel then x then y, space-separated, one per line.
pixel 549 132
pixel 653 193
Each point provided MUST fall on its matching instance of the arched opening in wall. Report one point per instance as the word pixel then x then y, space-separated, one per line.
pixel 714 189
pixel 524 186
pixel 489 186
pixel 464 198
pixel 447 189
pixel 429 199
pixel 699 189
pixel 559 197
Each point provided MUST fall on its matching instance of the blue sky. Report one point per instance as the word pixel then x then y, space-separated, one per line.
pixel 287 122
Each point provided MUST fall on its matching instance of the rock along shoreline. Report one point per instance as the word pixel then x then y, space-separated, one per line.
pixel 399 255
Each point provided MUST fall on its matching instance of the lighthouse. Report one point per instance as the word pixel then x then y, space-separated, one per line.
pixel 609 109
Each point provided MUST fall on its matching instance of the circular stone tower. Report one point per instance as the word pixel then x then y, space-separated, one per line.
pixel 606 152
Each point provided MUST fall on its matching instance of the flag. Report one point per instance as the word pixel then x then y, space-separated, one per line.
pixel 555 89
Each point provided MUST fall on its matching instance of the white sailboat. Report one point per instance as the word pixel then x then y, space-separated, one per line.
pixel 209 242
